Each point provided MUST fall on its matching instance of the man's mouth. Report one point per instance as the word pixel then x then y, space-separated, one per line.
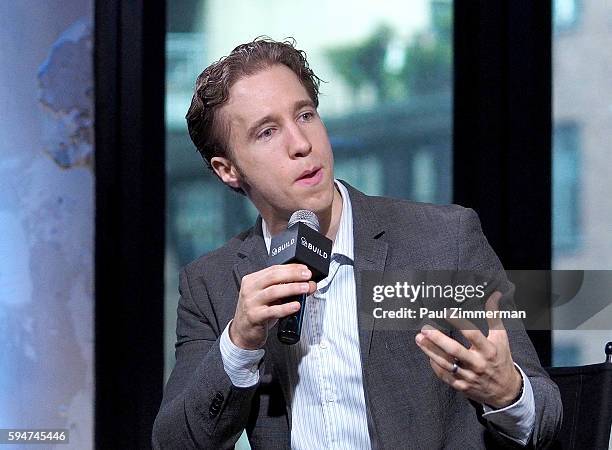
pixel 310 177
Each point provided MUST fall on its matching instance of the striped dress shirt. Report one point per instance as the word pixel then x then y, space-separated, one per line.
pixel 327 398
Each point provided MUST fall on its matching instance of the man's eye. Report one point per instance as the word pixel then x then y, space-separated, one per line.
pixel 307 116
pixel 265 134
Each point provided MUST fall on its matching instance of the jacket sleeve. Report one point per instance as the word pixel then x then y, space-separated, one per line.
pixel 475 253
pixel 200 408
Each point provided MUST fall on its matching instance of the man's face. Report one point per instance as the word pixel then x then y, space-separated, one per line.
pixel 280 153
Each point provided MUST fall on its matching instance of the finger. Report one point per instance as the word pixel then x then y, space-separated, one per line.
pixel 262 315
pixel 446 361
pixel 434 352
pixel 470 331
pixel 473 360
pixel 492 305
pixel 313 287
pixel 450 346
pixel 279 274
pixel 449 378
pixel 273 294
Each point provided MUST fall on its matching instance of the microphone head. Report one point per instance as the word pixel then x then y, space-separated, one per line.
pixel 307 217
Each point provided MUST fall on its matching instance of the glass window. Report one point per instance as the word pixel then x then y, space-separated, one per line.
pixel 566 168
pixel 565 14
pixel 582 115
pixel 386 102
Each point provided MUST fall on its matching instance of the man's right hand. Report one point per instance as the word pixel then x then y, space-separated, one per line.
pixel 259 302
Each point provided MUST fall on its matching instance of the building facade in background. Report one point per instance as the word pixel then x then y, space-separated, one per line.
pixel 582 161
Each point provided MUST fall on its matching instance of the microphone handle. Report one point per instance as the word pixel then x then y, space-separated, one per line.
pixel 290 327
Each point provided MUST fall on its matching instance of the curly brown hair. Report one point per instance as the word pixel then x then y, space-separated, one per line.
pixel 208 132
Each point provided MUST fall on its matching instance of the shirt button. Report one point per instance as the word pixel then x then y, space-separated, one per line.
pixel 323 344
pixel 331 398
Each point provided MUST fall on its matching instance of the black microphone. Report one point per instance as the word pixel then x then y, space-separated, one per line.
pixel 300 243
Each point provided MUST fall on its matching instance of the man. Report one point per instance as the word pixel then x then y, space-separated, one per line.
pixel 346 384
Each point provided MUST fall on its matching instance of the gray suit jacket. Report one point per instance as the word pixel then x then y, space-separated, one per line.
pixel 408 406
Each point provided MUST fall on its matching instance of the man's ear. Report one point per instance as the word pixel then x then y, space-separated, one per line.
pixel 226 170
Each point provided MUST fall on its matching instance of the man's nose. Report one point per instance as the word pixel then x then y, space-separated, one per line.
pixel 299 144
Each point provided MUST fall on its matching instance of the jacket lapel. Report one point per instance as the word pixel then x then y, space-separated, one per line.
pixel 370 253
pixel 252 254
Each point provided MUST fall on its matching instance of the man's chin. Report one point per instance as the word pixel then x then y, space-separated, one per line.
pixel 319 203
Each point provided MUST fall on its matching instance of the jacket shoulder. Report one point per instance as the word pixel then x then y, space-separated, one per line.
pixel 425 235
pixel 418 211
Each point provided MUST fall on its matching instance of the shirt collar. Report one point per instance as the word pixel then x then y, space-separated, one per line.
pixel 343 244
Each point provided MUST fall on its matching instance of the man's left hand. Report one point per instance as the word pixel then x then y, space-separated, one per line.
pixel 484 372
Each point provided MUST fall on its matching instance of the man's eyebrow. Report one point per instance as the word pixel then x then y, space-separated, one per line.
pixel 297 106
pixel 253 128
pixel 302 104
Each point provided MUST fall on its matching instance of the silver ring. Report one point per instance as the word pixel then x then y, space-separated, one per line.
pixel 455 368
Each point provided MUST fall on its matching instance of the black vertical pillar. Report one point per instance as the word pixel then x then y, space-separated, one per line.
pixel 129 252
pixel 502 128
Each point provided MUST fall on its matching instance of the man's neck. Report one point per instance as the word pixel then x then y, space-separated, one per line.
pixel 330 223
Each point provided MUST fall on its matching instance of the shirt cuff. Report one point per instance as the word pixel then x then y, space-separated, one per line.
pixel 241 365
pixel 515 421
